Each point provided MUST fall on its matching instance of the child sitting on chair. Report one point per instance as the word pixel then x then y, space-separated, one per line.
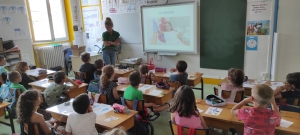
pixel 145 74
pixel 258 119
pixel 15 78
pixel 291 89
pixel 234 84
pixel 3 71
pixel 27 106
pixel 181 75
pixel 99 65
pixel 54 90
pixel 22 67
pixel 87 67
pixel 83 121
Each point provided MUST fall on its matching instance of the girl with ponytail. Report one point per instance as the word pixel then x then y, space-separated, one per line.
pixel 107 85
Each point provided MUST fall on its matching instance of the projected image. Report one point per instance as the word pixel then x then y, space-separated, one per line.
pixel 170 31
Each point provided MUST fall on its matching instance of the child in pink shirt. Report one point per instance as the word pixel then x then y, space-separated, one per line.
pixel 234 84
pixel 183 109
pixel 258 120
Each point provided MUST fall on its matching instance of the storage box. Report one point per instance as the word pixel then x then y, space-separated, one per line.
pixel 1 45
pixel 76 51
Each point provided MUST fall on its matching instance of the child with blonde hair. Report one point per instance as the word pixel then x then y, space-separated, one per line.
pixel 258 119
pixel 22 67
pixel 108 86
pixel 234 84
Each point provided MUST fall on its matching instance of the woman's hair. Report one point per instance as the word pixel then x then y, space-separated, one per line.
pixel 107 72
pixel 26 105
pixel 108 22
pixel 184 102
pixel 20 67
pixel 116 131
pixel 236 76
pixel 262 94
pixel 144 69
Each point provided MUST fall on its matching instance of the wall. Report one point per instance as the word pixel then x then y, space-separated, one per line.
pixel 25 45
pixel 288 40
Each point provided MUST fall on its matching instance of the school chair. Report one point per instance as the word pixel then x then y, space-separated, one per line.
pixel 80 76
pixel 33 129
pixel 146 81
pixel 139 108
pixel 185 130
pixel 201 89
pixel 102 99
pixel 226 94
pixel 43 104
pixel 289 101
pixel 291 108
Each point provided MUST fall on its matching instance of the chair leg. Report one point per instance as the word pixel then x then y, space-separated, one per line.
pixel 232 130
pixel 151 128
pixel 11 120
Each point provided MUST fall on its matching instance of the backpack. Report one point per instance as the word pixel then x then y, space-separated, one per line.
pixel 214 100
pixel 93 86
pixel 5 92
pixel 141 119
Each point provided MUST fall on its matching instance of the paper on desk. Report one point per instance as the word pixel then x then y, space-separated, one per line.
pixel 259 82
pixel 248 85
pixel 276 84
pixel 200 111
pixel 285 123
pixel 100 109
pixel 145 87
pixel 68 84
pixel 46 84
pixel 155 92
pixel 214 111
pixel 273 87
pixel 169 73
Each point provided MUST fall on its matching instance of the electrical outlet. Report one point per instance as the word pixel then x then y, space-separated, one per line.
pixel 263 74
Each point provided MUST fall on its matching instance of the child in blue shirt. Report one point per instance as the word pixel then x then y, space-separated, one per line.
pixel 180 75
pixel 3 71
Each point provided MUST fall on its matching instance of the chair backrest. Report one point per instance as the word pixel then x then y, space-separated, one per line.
pixel 185 130
pixel 43 103
pixel 102 99
pixel 18 92
pixel 226 94
pixel 32 129
pixel 80 75
pixel 175 84
pixel 289 101
pixel 140 105
pixel 146 80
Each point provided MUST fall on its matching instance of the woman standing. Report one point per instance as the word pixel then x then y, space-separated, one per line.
pixel 110 42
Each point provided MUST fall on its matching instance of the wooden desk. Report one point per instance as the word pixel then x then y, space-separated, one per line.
pixel 231 122
pixel 3 106
pixel 122 72
pixel 247 89
pixel 193 79
pixel 125 120
pixel 35 73
pixel 43 84
pixel 148 98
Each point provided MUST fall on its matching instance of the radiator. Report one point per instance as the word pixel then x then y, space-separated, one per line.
pixel 51 56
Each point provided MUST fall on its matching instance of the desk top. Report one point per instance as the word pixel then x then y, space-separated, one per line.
pixel 35 72
pixel 251 82
pixel 152 91
pixel 44 83
pixel 224 115
pixel 101 116
pixel 4 104
pixel 122 71
pixel 192 76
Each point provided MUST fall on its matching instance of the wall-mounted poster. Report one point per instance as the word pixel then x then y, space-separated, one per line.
pixel 261 27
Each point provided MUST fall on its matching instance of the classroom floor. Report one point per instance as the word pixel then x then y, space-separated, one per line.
pixel 161 125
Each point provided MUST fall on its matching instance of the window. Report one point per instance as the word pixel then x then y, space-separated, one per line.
pixel 48 20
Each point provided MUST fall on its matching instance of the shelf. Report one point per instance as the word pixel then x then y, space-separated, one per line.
pixel 12 58
pixel 10 51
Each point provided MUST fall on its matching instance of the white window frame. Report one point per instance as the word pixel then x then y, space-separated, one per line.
pixel 53 39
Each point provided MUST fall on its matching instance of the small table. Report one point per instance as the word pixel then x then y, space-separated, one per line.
pixel 43 84
pixel 35 73
pixel 3 106
pixel 160 99
pixel 125 120
pixel 122 72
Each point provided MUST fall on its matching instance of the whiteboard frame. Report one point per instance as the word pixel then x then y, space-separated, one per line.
pixel 195 30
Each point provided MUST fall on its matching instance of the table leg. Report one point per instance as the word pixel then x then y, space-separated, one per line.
pixel 11 120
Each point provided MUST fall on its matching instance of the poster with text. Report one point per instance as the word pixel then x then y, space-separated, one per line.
pixel 259 8
pixel 261 27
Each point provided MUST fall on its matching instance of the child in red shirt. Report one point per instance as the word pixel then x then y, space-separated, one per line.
pixel 258 120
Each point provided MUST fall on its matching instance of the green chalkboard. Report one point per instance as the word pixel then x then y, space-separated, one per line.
pixel 222 33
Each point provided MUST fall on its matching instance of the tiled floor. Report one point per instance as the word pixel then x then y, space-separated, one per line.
pixel 161 125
